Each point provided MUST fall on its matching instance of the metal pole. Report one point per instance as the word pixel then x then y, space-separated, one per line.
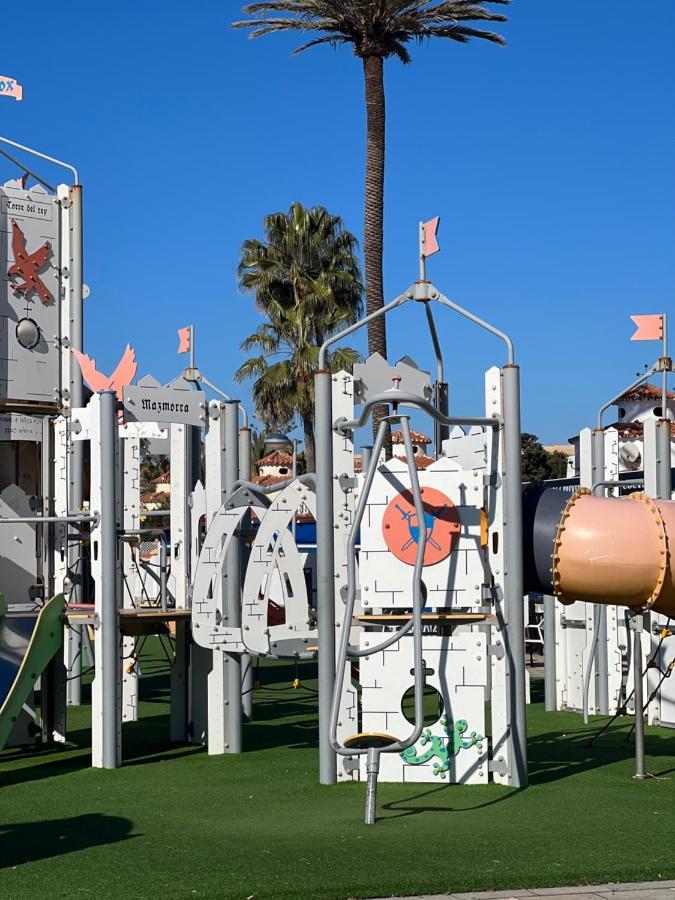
pixel 638 700
pixel 664 373
pixel 600 651
pixel 663 471
pixel 325 566
pixel 294 473
pixel 163 570
pixel 193 349
pixel 366 451
pixel 514 590
pixel 246 661
pixel 76 401
pixel 549 654
pixel 233 570
pixel 108 633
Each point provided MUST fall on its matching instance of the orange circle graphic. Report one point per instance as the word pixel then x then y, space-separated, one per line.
pixel 401 530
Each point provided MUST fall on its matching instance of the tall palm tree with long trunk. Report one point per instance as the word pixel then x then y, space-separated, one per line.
pixel 376 30
pixel 307 284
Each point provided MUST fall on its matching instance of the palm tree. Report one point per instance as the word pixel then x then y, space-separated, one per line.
pixel 306 280
pixel 376 30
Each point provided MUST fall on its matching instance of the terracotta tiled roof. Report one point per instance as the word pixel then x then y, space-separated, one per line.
pixel 645 392
pixel 276 458
pixel 421 462
pixel 358 466
pixel 415 436
pixel 162 479
pixel 634 429
pixel 269 480
pixel 154 497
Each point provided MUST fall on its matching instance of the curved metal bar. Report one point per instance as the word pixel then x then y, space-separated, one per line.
pixel 226 397
pixel 403 298
pixel 402 398
pixel 654 369
pixel 20 165
pixel 416 620
pixel 51 159
pixel 591 660
pixel 510 350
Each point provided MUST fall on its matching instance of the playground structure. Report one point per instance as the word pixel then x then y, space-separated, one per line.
pixel 417 574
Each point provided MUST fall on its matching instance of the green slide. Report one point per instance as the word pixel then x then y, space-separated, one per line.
pixel 44 643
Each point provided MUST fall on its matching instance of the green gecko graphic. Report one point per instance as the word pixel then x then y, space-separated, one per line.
pixel 440 746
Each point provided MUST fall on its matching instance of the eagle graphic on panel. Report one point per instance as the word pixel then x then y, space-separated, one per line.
pixel 28 266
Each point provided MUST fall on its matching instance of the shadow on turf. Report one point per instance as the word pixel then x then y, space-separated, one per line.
pixel 551 757
pixel 23 842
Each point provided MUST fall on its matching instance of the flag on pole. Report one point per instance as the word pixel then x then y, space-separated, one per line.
pixel 10 87
pixel 430 242
pixel 184 339
pixel 649 328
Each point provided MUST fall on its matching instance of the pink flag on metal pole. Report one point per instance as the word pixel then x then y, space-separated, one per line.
pixel 10 87
pixel 430 242
pixel 649 328
pixel 184 339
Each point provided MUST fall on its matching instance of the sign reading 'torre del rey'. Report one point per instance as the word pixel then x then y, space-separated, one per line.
pixel 151 404
pixel 32 286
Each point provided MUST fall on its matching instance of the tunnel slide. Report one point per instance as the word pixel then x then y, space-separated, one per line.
pixel 618 552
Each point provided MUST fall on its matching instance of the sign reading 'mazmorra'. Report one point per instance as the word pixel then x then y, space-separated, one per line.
pixel 150 404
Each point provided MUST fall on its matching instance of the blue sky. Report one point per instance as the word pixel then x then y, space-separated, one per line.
pixel 551 163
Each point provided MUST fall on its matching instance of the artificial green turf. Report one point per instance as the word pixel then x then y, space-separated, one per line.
pixel 175 822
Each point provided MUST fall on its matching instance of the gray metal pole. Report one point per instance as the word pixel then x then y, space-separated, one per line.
pixel 76 400
pixel 246 661
pixel 108 634
pixel 514 590
pixel 549 654
pixel 366 452
pixel 233 570
pixel 663 471
pixel 442 431
pixel 163 574
pixel 600 650
pixel 325 567
pixel 638 699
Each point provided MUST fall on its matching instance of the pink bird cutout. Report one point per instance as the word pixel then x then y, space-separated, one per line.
pixel 123 375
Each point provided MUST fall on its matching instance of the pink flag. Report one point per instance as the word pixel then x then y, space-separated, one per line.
pixel 9 87
pixel 184 339
pixel 649 328
pixel 430 242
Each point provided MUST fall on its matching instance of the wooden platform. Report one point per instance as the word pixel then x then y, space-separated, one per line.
pixel 136 621
pixel 401 618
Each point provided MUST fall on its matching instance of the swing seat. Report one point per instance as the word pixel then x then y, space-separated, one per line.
pixel 367 740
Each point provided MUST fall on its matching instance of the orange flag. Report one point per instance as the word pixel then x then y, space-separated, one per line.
pixel 649 328
pixel 184 339
pixel 430 242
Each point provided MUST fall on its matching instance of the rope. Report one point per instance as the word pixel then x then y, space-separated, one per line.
pixel 621 708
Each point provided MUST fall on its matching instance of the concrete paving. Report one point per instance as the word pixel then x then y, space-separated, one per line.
pixel 642 890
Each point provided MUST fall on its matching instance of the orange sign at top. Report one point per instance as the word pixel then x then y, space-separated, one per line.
pixel 401 529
